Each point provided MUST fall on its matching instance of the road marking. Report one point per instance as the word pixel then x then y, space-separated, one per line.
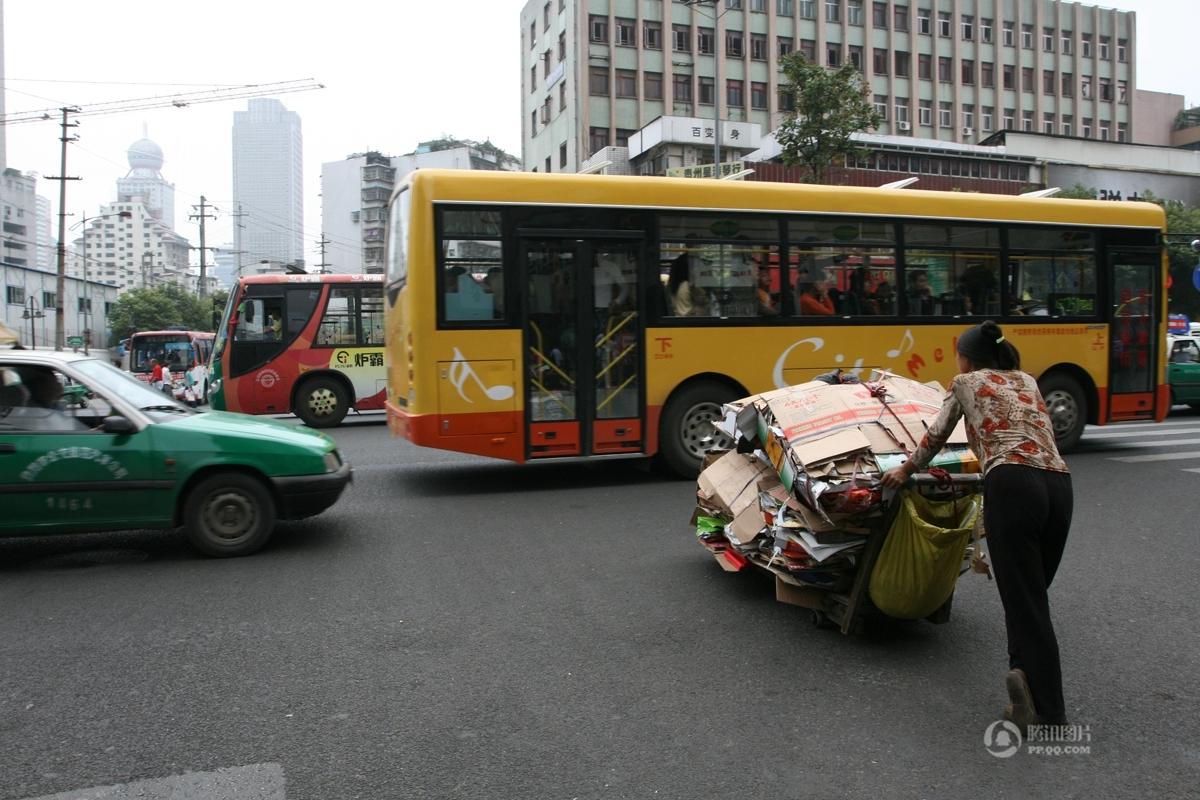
pixel 1191 469
pixel 251 782
pixel 1167 423
pixel 1180 443
pixel 1159 457
pixel 1131 434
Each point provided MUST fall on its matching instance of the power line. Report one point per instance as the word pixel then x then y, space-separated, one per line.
pixel 179 100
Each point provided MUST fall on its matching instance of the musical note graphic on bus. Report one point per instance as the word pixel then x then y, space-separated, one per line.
pixel 461 372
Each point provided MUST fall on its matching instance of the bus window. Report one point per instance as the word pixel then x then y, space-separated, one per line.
pixel 713 265
pixel 1055 285
pixel 338 323
pixel 371 306
pixel 260 320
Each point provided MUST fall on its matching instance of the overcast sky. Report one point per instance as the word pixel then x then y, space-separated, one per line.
pixel 396 72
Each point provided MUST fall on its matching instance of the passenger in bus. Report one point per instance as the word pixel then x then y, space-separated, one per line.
pixel 452 279
pixel 493 284
pixel 767 304
pixel 813 296
pixel 686 301
pixel 920 294
pixel 883 299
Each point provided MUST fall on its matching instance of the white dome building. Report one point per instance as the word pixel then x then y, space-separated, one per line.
pixel 145 182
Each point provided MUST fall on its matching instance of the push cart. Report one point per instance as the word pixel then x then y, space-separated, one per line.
pixel 847 610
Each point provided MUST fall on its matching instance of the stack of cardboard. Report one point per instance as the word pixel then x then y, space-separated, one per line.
pixel 801 492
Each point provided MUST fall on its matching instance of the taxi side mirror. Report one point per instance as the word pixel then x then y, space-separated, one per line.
pixel 118 424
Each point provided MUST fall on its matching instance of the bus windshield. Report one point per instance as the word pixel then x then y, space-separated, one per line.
pixel 171 349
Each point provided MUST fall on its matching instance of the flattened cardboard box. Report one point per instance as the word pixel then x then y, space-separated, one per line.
pixel 731 482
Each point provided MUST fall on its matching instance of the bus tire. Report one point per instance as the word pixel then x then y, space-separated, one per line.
pixel 1067 407
pixel 229 514
pixel 686 432
pixel 322 402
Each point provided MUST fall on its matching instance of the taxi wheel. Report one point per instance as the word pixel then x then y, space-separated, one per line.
pixel 322 403
pixel 687 431
pixel 229 514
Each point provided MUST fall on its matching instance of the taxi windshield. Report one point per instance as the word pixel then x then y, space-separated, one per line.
pixel 107 379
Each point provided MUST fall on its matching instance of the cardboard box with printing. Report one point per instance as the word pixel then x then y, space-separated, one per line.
pixel 803 501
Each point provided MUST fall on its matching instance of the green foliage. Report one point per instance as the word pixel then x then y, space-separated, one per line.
pixel 830 105
pixel 1182 259
pixel 158 308
pixel 1078 192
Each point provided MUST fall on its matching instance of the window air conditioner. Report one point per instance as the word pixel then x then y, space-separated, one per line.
pixel 903 125
pixel 968 131
pixel 545 115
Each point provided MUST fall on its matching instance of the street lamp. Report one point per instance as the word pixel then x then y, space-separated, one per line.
pixel 715 15
pixel 87 300
pixel 31 313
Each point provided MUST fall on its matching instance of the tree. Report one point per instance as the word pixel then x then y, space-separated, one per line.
pixel 828 106
pixel 1077 192
pixel 156 309
pixel 1183 220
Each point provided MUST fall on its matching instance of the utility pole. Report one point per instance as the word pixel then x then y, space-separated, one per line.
pixel 202 216
pixel 321 268
pixel 60 334
pixel 237 239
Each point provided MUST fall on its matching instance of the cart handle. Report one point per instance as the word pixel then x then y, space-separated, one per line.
pixel 925 479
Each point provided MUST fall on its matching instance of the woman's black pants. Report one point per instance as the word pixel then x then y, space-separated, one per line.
pixel 1027 513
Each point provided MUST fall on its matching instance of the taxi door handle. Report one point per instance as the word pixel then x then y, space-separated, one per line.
pixel 8 448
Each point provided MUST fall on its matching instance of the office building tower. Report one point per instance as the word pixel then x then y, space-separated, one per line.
pixel 268 182
pixel 593 73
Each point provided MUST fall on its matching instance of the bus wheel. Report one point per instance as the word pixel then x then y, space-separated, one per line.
pixel 1067 408
pixel 687 431
pixel 229 514
pixel 321 403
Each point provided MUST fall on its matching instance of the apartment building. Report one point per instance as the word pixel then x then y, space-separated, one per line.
pixel 593 72
pixel 355 193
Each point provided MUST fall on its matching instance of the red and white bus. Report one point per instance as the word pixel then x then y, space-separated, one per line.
pixel 178 350
pixel 308 344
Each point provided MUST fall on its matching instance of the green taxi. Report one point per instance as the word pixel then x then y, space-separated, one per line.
pixel 87 447
pixel 1183 370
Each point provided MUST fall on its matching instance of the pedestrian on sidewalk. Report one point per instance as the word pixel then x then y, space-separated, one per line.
pixel 1026 509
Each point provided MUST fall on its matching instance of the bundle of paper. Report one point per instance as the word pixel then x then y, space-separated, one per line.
pixel 801 492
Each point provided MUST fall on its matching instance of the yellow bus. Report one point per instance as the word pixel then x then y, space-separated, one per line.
pixel 533 316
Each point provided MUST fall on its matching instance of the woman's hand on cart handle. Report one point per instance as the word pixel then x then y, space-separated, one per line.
pixel 896 477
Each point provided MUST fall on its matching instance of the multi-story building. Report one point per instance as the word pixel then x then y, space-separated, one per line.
pixel 130 252
pixel 18 207
pixel 355 193
pixel 31 299
pixel 595 71
pixel 268 183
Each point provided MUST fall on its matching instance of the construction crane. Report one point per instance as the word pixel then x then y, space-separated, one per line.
pixel 178 100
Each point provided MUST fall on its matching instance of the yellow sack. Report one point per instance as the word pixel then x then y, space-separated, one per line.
pixel 920 560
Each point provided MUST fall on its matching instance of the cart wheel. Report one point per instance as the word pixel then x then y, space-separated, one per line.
pixel 820 620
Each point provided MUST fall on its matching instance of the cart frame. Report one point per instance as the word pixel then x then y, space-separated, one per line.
pixel 847 610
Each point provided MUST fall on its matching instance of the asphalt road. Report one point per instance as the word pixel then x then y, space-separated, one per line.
pixel 457 627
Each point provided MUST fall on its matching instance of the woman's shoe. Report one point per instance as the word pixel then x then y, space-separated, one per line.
pixel 1021 711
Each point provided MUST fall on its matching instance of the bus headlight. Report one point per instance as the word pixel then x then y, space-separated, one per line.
pixel 214 387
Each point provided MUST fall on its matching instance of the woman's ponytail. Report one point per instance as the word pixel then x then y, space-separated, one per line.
pixel 1004 353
